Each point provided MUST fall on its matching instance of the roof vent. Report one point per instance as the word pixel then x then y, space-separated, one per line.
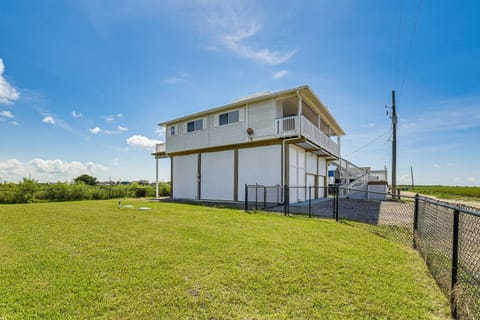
pixel 255 95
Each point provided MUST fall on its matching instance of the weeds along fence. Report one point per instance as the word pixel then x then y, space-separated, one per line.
pixel 446 235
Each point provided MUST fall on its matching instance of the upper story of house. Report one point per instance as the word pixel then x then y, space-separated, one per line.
pixel 296 112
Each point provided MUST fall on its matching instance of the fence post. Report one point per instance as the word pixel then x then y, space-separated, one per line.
pixel 309 201
pixel 456 220
pixel 246 197
pixel 264 197
pixel 415 222
pixel 334 200
pixel 336 204
pixel 256 197
pixel 287 200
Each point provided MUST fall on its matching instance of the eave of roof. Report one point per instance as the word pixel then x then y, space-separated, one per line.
pixel 305 90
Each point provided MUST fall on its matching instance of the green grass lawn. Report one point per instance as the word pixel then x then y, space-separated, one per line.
pixel 89 259
pixel 448 192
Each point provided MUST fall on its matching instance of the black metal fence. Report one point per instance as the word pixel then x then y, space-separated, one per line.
pixel 446 235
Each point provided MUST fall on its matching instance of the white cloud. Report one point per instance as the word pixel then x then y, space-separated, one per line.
pixel 6 114
pixel 120 129
pixel 49 119
pixel 95 130
pixel 47 170
pixel 109 118
pixel 142 142
pixel 76 114
pixel 181 77
pixel 280 74
pixel 119 115
pixel 8 94
pixel 233 25
pixel 436 165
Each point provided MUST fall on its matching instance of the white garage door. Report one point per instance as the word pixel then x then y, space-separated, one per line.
pixel 261 165
pixel 217 175
pixel 185 176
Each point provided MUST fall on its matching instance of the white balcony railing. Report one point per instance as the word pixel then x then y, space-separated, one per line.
pixel 295 125
pixel 160 147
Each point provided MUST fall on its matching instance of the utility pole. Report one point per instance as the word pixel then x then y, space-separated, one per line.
pixel 394 146
pixel 411 173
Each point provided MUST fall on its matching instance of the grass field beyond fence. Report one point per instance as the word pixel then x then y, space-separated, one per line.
pixel 447 192
pixel 90 259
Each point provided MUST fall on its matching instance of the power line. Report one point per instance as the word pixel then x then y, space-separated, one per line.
pixel 369 143
pixel 398 43
pixel 419 6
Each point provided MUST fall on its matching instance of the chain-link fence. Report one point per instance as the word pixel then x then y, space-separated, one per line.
pixel 446 235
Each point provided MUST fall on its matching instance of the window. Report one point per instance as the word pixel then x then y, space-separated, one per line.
pixel 228 117
pixel 173 130
pixel 195 125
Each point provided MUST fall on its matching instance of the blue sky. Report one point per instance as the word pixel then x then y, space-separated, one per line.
pixel 83 83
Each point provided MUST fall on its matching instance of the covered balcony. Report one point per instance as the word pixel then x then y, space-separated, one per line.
pixel 304 115
pixel 317 141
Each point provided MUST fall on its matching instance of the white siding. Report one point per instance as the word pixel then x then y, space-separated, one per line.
pixel 228 134
pixel 185 176
pixel 261 118
pixel 260 165
pixel 188 140
pixel 217 175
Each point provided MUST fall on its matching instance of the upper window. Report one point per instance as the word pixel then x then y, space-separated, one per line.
pixel 173 130
pixel 195 125
pixel 228 117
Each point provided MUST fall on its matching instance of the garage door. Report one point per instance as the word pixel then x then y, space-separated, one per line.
pixel 217 175
pixel 185 176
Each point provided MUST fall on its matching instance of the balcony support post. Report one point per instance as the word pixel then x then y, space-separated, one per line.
pixel 156 178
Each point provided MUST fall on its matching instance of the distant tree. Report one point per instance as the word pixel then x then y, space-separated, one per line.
pixel 85 178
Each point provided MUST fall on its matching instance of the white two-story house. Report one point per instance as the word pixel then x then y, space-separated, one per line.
pixel 286 137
